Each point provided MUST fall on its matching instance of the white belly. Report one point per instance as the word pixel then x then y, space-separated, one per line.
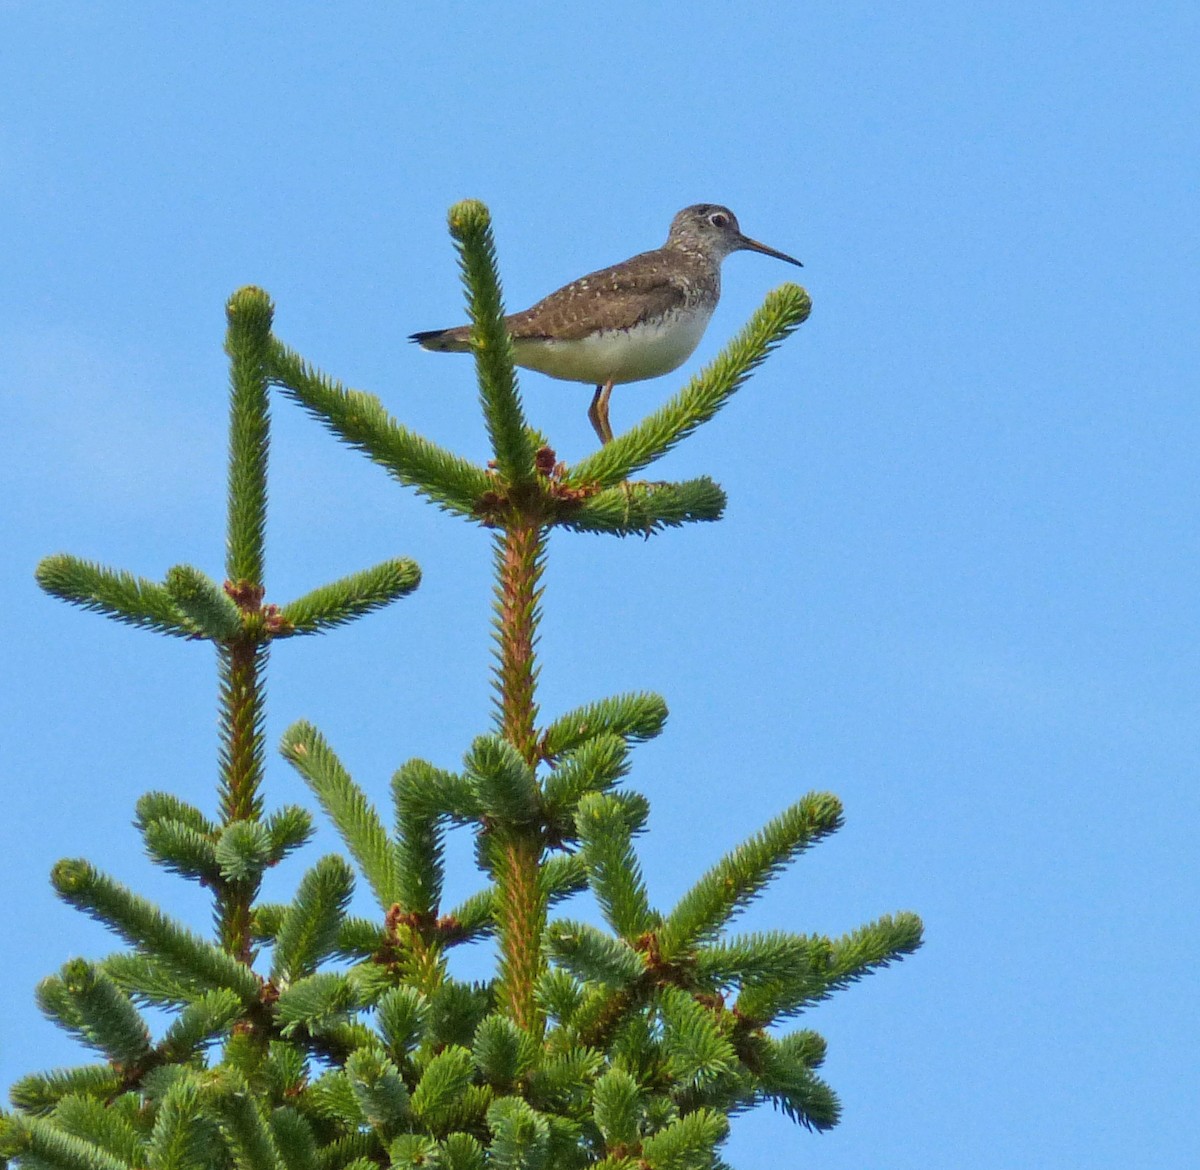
pixel 645 351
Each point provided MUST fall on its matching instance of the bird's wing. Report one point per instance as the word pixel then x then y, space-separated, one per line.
pixel 641 288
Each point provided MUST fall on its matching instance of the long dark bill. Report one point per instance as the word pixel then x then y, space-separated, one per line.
pixel 754 246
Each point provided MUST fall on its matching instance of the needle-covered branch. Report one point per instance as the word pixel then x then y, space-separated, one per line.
pixel 420 832
pixel 239 1112
pixel 702 397
pixel 204 604
pixel 636 718
pixel 346 805
pixel 613 870
pixel 203 1020
pixel 248 344
pixel 45 1144
pixel 351 597
pixel 471 227
pixel 735 880
pixel 39 1093
pixel 143 925
pixel 360 420
pixel 785 1077
pixel 115 594
pixel 831 966
pixel 591 954
pixel 595 766
pixel 84 1001
pixel 310 928
pixel 644 509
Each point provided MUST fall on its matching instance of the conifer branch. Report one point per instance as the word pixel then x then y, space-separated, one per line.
pixel 402 1014
pixel 242 654
pixel 736 879
pixel 595 766
pixel 382 1094
pixel 114 594
pixel 520 914
pixel 520 560
pixel 446 1077
pixel 346 805
pixel 182 850
pixel 242 666
pixel 561 876
pixel 645 509
pixel 505 786
pixel 475 916
pixel 47 1145
pixel 352 597
pixel 149 981
pixel 111 1129
pixel 83 1000
pixel 201 1021
pixel 419 798
pixel 243 1125
pixel 248 344
pixel 471 227
pixel 695 1046
pixel 294 1138
pixel 183 1136
pixel 702 397
pixel 613 870
pixel 39 1093
pixel 462 1151
pixel 760 959
pixel 287 829
pixel 359 938
pixel 310 927
pixel 154 806
pixel 833 966
pixel 412 1151
pixel 315 1003
pixel 636 718
pixel 688 1143
pixel 143 925
pixel 591 955
pixel 785 1077
pixel 503 1052
pixel 360 420
pixel 520 1136
pixel 243 852
pixel 516 847
pixel 204 604
pixel 617 1103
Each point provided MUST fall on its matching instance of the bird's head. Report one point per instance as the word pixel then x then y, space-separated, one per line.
pixel 713 230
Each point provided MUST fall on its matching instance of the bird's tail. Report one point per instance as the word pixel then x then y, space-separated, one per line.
pixel 454 340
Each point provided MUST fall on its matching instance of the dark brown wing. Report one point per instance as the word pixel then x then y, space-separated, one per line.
pixel 645 286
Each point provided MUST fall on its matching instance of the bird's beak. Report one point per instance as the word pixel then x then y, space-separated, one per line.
pixel 745 242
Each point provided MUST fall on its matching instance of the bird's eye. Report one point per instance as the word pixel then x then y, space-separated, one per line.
pixel 719 219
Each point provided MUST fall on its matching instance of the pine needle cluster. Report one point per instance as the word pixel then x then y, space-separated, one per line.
pixel 302 1037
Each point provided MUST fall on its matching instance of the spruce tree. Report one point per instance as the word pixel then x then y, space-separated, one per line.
pixel 304 1038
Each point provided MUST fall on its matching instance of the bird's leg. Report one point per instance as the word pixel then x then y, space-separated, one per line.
pixel 598 413
pixel 602 410
pixel 593 416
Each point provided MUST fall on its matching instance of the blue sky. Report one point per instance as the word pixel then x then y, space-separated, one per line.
pixel 957 580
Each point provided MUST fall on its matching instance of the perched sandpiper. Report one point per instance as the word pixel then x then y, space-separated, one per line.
pixel 635 320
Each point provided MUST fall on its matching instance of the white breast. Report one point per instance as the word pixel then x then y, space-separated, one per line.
pixel 618 355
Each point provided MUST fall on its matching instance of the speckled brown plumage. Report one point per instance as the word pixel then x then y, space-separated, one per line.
pixel 646 287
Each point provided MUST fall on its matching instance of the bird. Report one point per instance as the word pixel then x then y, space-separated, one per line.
pixel 635 320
